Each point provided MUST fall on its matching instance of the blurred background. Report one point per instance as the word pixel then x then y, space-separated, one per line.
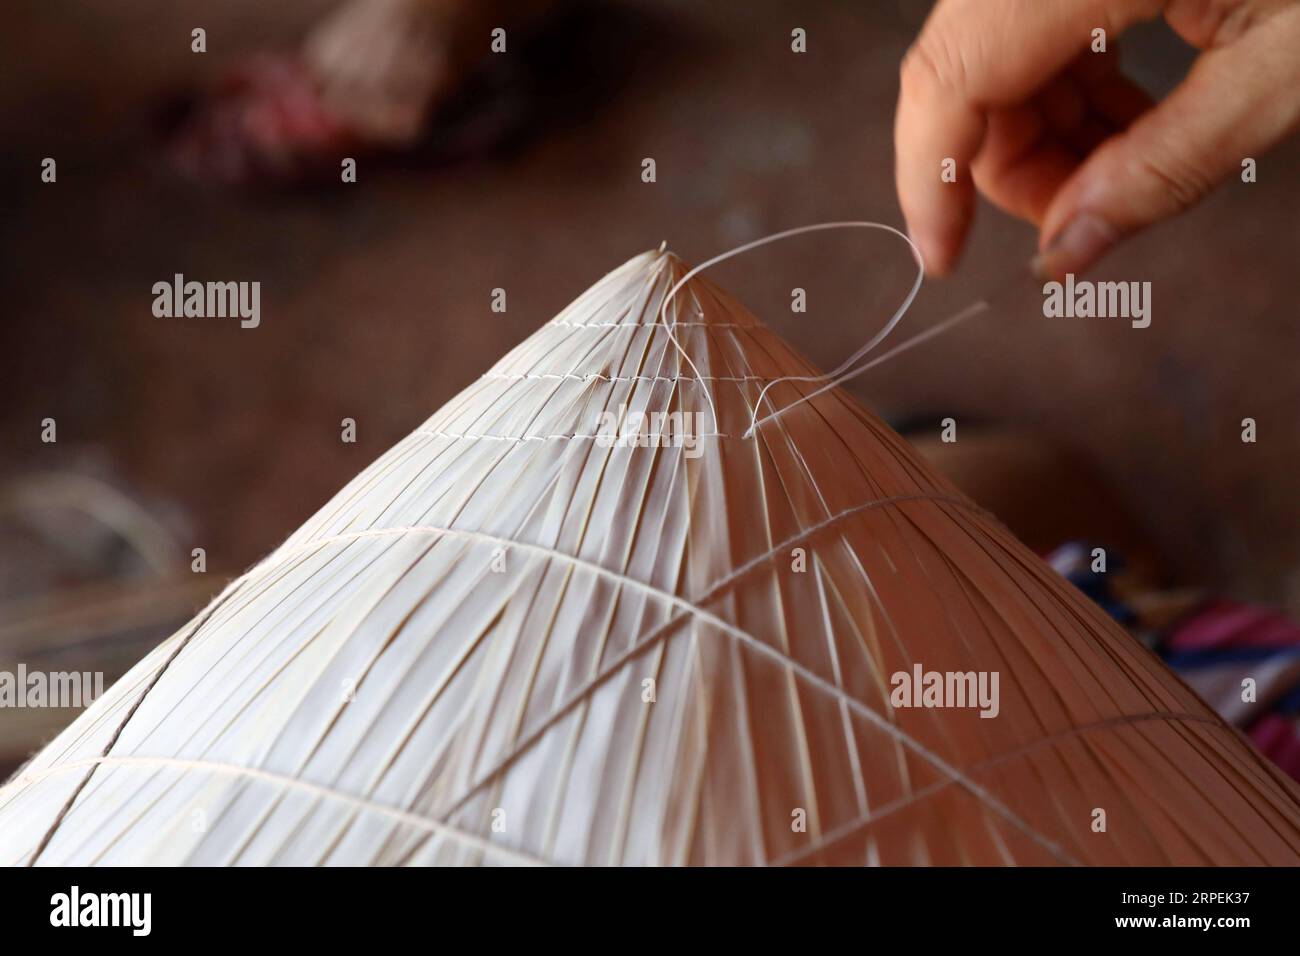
pixel 195 433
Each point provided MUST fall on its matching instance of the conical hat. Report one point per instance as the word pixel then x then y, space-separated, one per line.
pixel 526 634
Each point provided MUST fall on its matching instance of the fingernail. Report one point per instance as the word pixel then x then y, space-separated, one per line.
pixel 1081 242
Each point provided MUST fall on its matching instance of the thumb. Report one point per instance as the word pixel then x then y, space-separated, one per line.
pixel 1236 102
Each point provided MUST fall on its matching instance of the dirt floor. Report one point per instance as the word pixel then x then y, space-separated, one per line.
pixel 375 296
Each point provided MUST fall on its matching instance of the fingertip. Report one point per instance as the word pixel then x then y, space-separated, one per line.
pixel 937 256
pixel 939 267
pixel 1084 239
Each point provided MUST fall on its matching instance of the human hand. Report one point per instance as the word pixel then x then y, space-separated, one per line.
pixel 1052 133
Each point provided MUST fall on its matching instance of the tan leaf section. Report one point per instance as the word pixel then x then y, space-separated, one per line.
pixel 509 641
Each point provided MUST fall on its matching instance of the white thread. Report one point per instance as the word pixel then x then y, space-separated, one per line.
pixel 589 376
pixel 655 325
pixel 856 356
pixel 670 440
pixel 842 373
pixel 971 310
pixel 941 327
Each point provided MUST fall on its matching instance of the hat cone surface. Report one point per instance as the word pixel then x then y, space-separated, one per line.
pixel 511 640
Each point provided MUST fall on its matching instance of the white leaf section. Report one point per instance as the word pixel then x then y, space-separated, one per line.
pixel 471 624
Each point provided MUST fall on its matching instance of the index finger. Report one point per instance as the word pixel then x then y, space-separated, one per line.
pixel 973 56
